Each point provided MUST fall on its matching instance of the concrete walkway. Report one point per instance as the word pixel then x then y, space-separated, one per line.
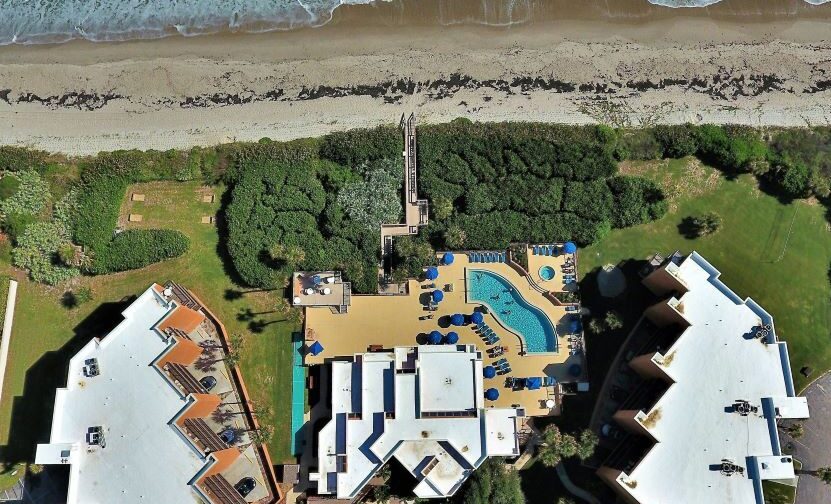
pixel 574 489
pixel 7 332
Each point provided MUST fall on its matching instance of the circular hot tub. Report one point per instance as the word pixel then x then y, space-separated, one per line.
pixel 547 273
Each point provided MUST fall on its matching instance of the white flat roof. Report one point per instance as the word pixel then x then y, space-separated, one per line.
pixel 447 381
pixel 144 458
pixel 714 363
pixel 378 412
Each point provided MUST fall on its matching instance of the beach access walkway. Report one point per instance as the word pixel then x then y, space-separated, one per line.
pixel 7 332
pixel 415 210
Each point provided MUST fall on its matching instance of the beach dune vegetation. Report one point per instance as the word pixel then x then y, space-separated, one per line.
pixel 94 218
pixel 487 185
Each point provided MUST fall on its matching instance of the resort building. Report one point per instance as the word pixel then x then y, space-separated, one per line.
pixel 438 372
pixel 423 405
pixel 527 325
pixel 715 380
pixel 151 413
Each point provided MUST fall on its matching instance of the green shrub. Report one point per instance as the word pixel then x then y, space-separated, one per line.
pixel 15 224
pixel 373 201
pixel 37 250
pixel 137 248
pixel 351 148
pixel 792 179
pixel 676 141
pixel 639 144
pixel 93 210
pixel 733 149
pixel 8 186
pixel 636 201
pixel 487 184
pixel 20 158
pixel 30 197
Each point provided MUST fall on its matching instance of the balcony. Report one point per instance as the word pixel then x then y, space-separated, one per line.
pixel 184 379
pixel 221 491
pixel 199 430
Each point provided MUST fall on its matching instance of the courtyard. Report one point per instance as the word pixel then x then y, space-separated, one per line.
pixel 524 330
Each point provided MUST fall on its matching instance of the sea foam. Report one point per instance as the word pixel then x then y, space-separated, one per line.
pixel 51 21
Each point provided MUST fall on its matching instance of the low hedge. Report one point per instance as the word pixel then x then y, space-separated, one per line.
pixel 102 188
pixel 137 248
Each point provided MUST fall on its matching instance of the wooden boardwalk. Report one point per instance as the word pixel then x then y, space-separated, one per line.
pixel 415 210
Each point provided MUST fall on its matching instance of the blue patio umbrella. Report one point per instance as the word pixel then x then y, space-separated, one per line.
pixel 432 273
pixel 491 394
pixel 570 248
pixel 477 318
pixel 457 319
pixel 438 295
pixel 452 338
pixel 575 370
pixel 434 338
pixel 447 258
pixel 315 348
pixel 316 280
pixel 489 371
pixel 533 383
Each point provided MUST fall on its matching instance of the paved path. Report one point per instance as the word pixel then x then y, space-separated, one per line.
pixel 813 449
pixel 7 331
pixel 574 489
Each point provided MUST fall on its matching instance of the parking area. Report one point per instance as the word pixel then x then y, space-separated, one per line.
pixel 813 448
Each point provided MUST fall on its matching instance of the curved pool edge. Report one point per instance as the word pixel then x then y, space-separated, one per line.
pixel 502 324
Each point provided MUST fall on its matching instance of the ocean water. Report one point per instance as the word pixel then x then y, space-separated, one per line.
pixel 51 21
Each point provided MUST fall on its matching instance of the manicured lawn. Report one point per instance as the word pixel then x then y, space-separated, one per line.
pixel 46 334
pixel 778 254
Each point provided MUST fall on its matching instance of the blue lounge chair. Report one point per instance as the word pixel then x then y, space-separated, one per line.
pixel 547 251
pixel 504 257
pixel 536 250
pixel 495 339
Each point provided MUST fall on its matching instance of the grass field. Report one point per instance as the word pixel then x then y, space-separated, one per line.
pixel 46 333
pixel 778 254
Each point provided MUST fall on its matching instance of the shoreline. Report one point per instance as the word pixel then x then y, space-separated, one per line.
pixel 80 97
pixel 439 13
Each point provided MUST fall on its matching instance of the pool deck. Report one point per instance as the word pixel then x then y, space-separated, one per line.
pixel 387 321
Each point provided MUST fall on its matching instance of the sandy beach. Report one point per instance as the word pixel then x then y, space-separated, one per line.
pixel 81 98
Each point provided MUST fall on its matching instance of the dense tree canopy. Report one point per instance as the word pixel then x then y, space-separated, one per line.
pixel 492 483
pixel 487 184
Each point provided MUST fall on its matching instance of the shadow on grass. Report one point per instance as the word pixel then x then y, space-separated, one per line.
pixel 688 228
pixel 31 417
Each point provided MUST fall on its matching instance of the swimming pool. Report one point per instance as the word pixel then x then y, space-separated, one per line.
pixel 547 273
pixel 512 310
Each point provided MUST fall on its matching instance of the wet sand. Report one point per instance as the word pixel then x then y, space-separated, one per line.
pixel 737 62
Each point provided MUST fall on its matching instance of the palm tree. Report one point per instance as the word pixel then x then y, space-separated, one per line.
pixel 824 473
pixel 555 446
pixel 586 445
pixel 231 357
pixel 262 435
